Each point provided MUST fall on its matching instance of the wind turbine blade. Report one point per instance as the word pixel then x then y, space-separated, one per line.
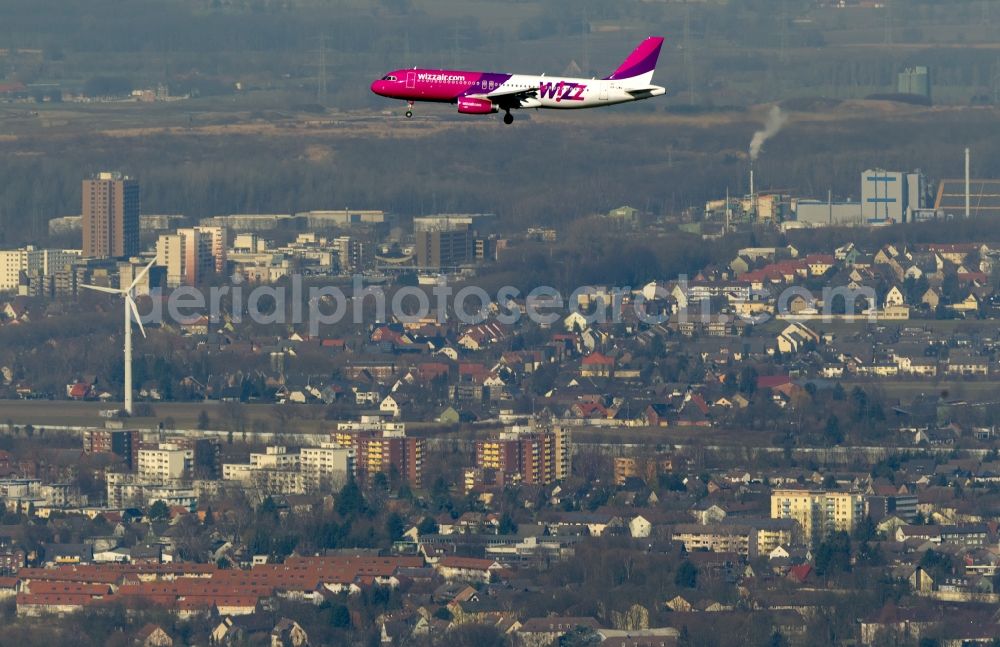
pixel 135 314
pixel 101 288
pixel 141 274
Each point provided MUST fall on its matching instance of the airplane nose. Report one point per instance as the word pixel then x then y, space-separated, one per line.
pixel 377 86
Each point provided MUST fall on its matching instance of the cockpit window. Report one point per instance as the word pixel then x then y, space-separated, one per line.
pixel 388 77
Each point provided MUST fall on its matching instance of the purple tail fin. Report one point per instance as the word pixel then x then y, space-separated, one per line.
pixel 641 61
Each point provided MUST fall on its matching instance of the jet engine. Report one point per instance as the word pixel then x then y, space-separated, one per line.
pixel 475 106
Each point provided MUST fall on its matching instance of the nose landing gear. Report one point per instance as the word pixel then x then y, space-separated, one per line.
pixel 409 109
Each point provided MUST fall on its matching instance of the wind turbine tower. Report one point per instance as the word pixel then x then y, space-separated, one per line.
pixel 131 313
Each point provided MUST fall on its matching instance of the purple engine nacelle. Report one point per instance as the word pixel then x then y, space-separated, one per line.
pixel 474 106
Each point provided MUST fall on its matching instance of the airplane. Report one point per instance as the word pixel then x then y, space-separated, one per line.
pixel 482 93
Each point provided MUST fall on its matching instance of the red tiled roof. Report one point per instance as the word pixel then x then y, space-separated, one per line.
pixel 771 381
pixel 79 390
pixel 699 402
pixel 485 332
pixel 819 258
pixel 46 587
pixel 472 371
pixel 598 359
pixel 591 409
pixel 800 572
pixel 188 589
pixel 112 516
pixel 112 573
pixel 430 370
pixel 467 563
pixel 87 574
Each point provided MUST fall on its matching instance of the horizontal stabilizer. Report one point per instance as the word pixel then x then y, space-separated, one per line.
pixel 645 93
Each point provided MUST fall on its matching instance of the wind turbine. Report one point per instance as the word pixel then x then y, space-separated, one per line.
pixel 131 311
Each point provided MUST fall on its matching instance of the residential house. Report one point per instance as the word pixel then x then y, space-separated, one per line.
pixel 740 265
pixel 153 636
pixel 795 337
pixel 931 298
pixel 392 406
pixel 894 297
pixel 597 365
pixel 288 633
pixel 966 363
pixel 482 335
pixel 819 264
pixel 542 632
pixel 467 569
pixel 575 322
pixel 970 304
pixel 639 527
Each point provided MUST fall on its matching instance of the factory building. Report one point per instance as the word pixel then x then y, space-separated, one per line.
pixel 886 197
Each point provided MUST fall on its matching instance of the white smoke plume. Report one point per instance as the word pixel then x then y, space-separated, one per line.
pixel 775 121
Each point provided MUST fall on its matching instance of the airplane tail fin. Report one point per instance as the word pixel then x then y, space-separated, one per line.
pixel 641 63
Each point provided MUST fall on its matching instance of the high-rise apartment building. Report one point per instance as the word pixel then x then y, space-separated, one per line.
pixel 533 457
pixel 353 255
pixel 818 512
pixel 192 254
pixel 123 443
pixel 383 448
pixel 206 457
pixel 170 255
pixel 326 467
pixel 33 262
pixel 216 237
pixel 110 216
pixel 166 462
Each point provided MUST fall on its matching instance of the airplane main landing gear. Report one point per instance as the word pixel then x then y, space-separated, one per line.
pixel 508 118
pixel 409 109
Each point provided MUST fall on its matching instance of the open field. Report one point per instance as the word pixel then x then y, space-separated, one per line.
pixel 184 415
pixel 271 113
pixel 253 418
pixel 72 414
pixel 906 390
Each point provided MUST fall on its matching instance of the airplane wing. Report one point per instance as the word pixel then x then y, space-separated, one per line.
pixel 512 98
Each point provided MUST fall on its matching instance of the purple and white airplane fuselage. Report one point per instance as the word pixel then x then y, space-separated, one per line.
pixel 490 92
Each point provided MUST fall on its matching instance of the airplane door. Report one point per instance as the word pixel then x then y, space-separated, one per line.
pixel 603 95
pixel 411 80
